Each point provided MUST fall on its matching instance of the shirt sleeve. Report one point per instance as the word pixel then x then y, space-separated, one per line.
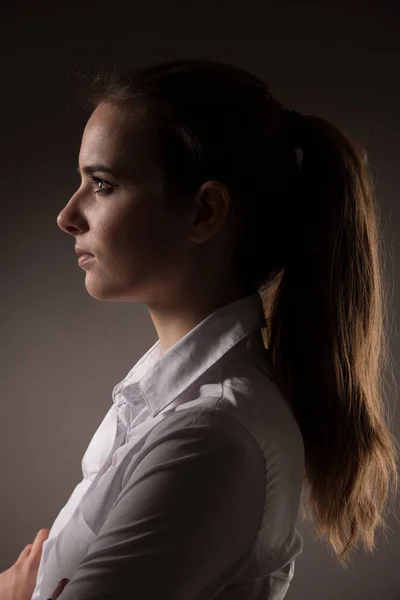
pixel 186 518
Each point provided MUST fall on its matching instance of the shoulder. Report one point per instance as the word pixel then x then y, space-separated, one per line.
pixel 213 428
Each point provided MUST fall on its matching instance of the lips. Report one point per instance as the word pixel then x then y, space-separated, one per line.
pixel 81 251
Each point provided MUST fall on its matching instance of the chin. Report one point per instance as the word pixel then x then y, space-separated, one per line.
pixel 112 293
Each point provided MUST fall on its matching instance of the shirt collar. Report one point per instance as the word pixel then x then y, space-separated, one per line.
pixel 162 378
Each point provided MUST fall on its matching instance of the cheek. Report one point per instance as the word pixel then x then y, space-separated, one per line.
pixel 144 241
pixel 143 232
pixel 122 229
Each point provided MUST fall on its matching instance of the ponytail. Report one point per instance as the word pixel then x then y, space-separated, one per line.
pixel 327 339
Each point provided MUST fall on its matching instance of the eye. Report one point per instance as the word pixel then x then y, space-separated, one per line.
pixel 101 182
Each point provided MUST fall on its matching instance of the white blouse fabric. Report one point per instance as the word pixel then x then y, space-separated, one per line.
pixel 192 483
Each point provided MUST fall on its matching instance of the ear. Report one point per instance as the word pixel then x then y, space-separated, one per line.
pixel 213 200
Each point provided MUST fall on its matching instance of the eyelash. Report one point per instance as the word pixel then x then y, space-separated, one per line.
pixel 101 181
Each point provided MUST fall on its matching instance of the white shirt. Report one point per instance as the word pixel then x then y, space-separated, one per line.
pixel 192 483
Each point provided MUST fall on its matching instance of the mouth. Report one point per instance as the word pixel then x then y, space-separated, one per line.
pixel 84 258
pixel 82 251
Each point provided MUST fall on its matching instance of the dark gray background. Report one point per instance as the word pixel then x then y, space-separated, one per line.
pixel 61 350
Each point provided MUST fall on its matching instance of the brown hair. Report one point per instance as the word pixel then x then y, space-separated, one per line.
pixel 309 241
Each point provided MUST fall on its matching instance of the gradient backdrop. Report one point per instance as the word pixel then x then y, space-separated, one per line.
pixel 62 351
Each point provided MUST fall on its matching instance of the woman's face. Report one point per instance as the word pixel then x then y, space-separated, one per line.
pixel 139 242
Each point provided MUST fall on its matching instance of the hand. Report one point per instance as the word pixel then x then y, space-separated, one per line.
pixel 60 587
pixel 19 581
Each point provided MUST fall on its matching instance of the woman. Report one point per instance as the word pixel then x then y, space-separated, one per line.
pixel 252 235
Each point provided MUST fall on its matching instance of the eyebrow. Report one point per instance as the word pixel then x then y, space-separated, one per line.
pixel 88 169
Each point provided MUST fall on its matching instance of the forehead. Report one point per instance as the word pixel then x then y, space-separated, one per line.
pixel 109 139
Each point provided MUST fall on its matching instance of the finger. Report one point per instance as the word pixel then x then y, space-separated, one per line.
pixel 26 551
pixel 37 545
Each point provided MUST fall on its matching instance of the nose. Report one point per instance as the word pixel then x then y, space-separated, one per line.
pixel 71 218
pixel 67 217
pixel 65 223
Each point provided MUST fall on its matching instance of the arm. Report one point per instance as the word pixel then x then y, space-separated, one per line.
pixel 186 518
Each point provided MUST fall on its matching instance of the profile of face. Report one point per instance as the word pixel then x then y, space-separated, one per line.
pixel 139 241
